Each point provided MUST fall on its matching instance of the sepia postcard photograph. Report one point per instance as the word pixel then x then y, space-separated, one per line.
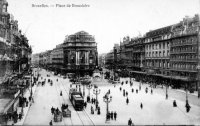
pixel 99 62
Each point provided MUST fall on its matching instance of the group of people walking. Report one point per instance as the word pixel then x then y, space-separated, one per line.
pixel 111 115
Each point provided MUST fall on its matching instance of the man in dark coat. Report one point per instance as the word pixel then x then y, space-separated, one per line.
pixel 52 110
pixel 130 122
pixel 141 105
pixel 115 115
pixel 50 123
pixel 127 101
pixel 111 114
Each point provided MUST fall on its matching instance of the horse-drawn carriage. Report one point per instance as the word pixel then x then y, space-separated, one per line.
pixel 57 116
pixel 66 113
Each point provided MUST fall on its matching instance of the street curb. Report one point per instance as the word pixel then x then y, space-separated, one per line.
pixel 25 114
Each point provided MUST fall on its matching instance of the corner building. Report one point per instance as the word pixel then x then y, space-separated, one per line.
pixel 80 53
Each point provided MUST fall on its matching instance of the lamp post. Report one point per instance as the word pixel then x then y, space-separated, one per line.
pixel 107 100
pixel 186 97
pixel 89 87
pixel 166 91
pixel 96 91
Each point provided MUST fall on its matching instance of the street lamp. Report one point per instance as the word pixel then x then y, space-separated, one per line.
pixel 89 87
pixel 107 100
pixel 166 91
pixel 96 91
pixel 186 93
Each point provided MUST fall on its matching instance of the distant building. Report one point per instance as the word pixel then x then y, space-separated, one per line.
pixel 168 55
pixel 101 60
pixel 80 53
pixel 35 60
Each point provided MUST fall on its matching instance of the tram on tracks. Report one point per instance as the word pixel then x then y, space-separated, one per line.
pixel 76 99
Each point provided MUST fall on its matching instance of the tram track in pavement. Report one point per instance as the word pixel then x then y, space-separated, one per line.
pixel 81 114
pixel 65 100
pixel 59 98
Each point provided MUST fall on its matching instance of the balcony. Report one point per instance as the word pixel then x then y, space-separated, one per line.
pixel 184 60
pixel 182 52
pixel 183 44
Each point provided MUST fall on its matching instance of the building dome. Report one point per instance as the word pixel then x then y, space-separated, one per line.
pixel 81 33
pixel 80 36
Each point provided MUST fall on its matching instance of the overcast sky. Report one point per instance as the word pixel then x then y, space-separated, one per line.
pixel 108 20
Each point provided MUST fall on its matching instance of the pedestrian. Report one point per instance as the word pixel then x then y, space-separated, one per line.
pixel 151 91
pixel 26 103
pixel 141 105
pixel 174 103
pixel 52 110
pixel 85 104
pixel 57 110
pixel 136 90
pixel 98 111
pixel 111 114
pixel 120 88
pixel 20 116
pixel 127 100
pixel 60 93
pixel 66 106
pixel 29 98
pixel 126 93
pixel 115 115
pixel 130 122
pixel 92 110
pixel 132 90
pixel 146 90
pixel 50 123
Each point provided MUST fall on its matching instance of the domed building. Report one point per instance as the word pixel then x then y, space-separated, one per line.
pixel 80 53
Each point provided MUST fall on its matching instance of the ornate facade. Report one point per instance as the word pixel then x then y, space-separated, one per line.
pixel 80 53
pixel 168 55
pixel 184 52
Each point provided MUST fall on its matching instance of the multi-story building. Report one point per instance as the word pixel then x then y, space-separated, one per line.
pixel 138 57
pixel 5 47
pixel 80 53
pixel 35 60
pixel 14 62
pixel 101 60
pixel 57 58
pixel 168 55
pixel 157 56
pixel 184 53
pixel 109 60
pixel 125 54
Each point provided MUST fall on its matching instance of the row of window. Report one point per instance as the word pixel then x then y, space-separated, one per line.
pixel 163 45
pixel 184 41
pixel 184 66
pixel 184 49
pixel 184 57
pixel 157 53
pixel 158 64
